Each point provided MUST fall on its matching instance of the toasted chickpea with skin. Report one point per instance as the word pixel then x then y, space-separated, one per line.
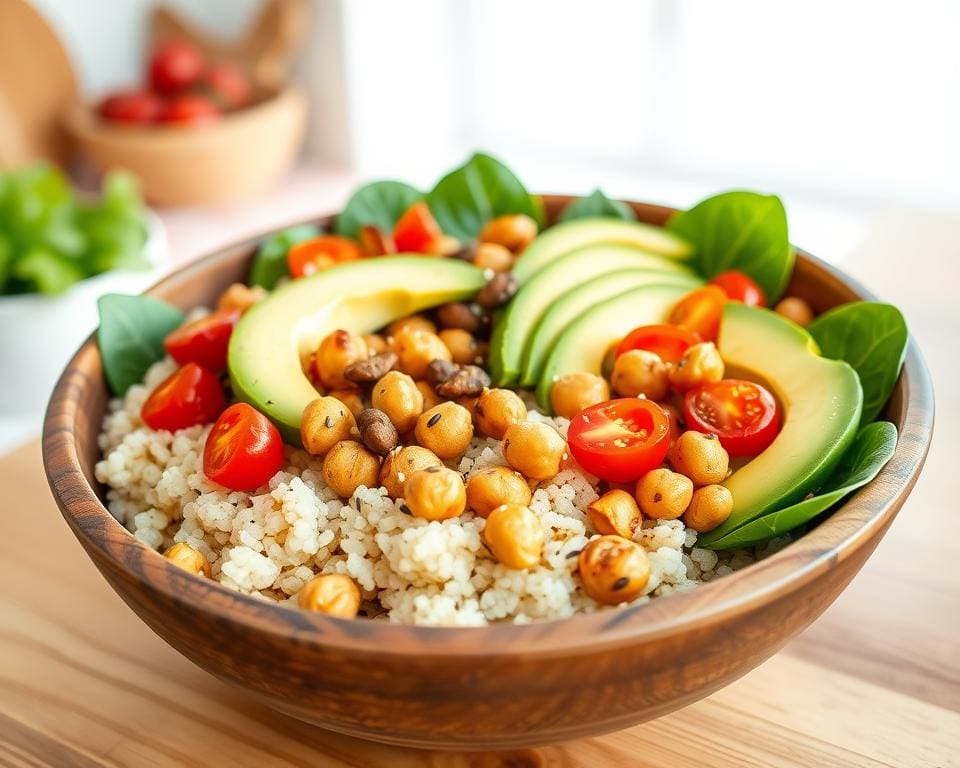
pixel 445 429
pixel 616 512
pixel 462 345
pixel 350 398
pixel 796 309
pixel 497 410
pixel 430 396
pixel 640 372
pixel 348 465
pixel 700 364
pixel 189 559
pixel 575 391
pixel 242 297
pixel 534 449
pixel 512 231
pixel 401 463
pixel 514 535
pixel 338 350
pixel 700 457
pixel 398 396
pixel 493 486
pixel 416 349
pixel 435 493
pixel 411 323
pixel 331 593
pixel 710 506
pixel 613 570
pixel 325 422
pixel 493 256
pixel 664 495
pixel 376 344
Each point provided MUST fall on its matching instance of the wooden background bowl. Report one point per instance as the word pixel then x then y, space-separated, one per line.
pixel 489 687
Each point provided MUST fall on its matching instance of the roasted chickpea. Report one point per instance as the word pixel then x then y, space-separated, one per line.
pixel 664 495
pixel 613 570
pixel 534 449
pixel 575 391
pixel 470 403
pixel 445 245
pixel 325 422
pixel 462 346
pixel 615 512
pixel 376 344
pixel 493 256
pixel 513 231
pixel 700 457
pixel 640 372
pixel 331 593
pixel 417 349
pixel 411 323
pixel 493 486
pixel 796 309
pixel 700 364
pixel 710 506
pixel 398 396
pixel 430 396
pixel 445 429
pixel 189 559
pixel 401 463
pixel 240 296
pixel 435 493
pixel 350 398
pixel 497 409
pixel 335 353
pixel 348 465
pixel 514 536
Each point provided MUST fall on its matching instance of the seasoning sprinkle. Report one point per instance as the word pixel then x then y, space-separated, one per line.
pixel 405 509
pixel 573 553
pixel 434 419
pixel 328 422
pixel 620 583
pixel 432 469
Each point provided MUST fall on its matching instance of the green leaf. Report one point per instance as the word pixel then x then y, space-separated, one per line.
pixel 597 204
pixel 740 230
pixel 47 272
pixel 379 204
pixel 870 450
pixel 130 336
pixel 6 261
pixel 270 263
pixel 481 189
pixel 872 337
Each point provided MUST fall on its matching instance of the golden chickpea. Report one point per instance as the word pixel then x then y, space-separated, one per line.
pixel 411 323
pixel 514 536
pixel 700 364
pixel 240 296
pixel 615 512
pixel 331 593
pixel 401 463
pixel 338 350
pixel 493 256
pixel 325 422
pixel 189 559
pixel 376 344
pixel 435 493
pixel 470 403
pixel 796 309
pixel 348 465
pixel 430 396
pixel 445 245
pixel 462 345
pixel 513 231
pixel 613 570
pixel 493 486
pixel 445 429
pixel 398 396
pixel 497 409
pixel 350 398
pixel 700 457
pixel 534 449
pixel 664 495
pixel 640 372
pixel 710 506
pixel 417 349
pixel 575 391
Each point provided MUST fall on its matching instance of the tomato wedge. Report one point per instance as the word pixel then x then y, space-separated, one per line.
pixel 700 311
pixel 243 450
pixel 620 440
pixel 319 253
pixel 744 415
pixel 740 287
pixel 668 341
pixel 204 341
pixel 417 230
pixel 190 396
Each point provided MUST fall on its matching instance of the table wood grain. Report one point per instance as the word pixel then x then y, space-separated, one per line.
pixel 874 682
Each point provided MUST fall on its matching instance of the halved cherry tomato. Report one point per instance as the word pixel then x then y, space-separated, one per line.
pixel 668 341
pixel 620 440
pixel 744 415
pixel 319 253
pixel 189 109
pixel 203 341
pixel 417 230
pixel 740 287
pixel 175 65
pixel 132 107
pixel 190 396
pixel 700 311
pixel 243 450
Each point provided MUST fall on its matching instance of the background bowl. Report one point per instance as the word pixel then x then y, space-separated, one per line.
pixel 490 687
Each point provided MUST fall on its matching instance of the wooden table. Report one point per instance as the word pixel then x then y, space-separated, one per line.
pixel 875 682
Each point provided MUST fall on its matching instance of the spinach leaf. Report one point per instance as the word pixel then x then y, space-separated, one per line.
pixel 130 336
pixel 872 337
pixel 270 263
pixel 479 190
pixel 597 204
pixel 740 230
pixel 379 203
pixel 870 450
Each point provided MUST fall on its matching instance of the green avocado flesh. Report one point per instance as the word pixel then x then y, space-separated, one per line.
pixel 820 399
pixel 271 341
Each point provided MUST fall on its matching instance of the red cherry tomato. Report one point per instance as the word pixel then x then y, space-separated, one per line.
pixel 744 415
pixel 700 311
pixel 140 107
pixel 228 85
pixel 203 341
pixel 175 65
pixel 319 253
pixel 668 341
pixel 620 440
pixel 417 230
pixel 191 396
pixel 190 109
pixel 243 450
pixel 739 287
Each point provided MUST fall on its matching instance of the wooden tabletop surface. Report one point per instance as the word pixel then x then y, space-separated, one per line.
pixel 874 682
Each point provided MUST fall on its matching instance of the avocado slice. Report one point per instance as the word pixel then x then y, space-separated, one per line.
pixel 572 305
pixel 577 233
pixel 821 401
pixel 271 341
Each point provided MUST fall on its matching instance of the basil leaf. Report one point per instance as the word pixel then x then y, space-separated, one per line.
pixel 597 204
pixel 270 263
pixel 481 189
pixel 740 230
pixel 379 204
pixel 871 449
pixel 130 336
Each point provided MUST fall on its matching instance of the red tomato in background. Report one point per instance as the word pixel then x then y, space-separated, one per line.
pixel 742 414
pixel 243 450
pixel 175 65
pixel 620 440
pixel 740 287
pixel 668 341
pixel 204 341
pixel 417 230
pixel 319 253
pixel 190 109
pixel 141 107
pixel 191 396
pixel 228 85
pixel 700 311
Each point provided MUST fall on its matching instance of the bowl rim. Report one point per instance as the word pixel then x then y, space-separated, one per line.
pixel 855 524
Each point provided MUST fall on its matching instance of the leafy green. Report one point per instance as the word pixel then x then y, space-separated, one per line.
pixel 130 336
pixel 597 204
pixel 740 230
pixel 379 204
pixel 270 263
pixel 47 270
pixel 872 337
pixel 871 449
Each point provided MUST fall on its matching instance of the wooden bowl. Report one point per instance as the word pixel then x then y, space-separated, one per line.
pixel 240 155
pixel 491 687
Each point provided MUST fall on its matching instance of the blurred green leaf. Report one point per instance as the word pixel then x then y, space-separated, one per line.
pixel 46 271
